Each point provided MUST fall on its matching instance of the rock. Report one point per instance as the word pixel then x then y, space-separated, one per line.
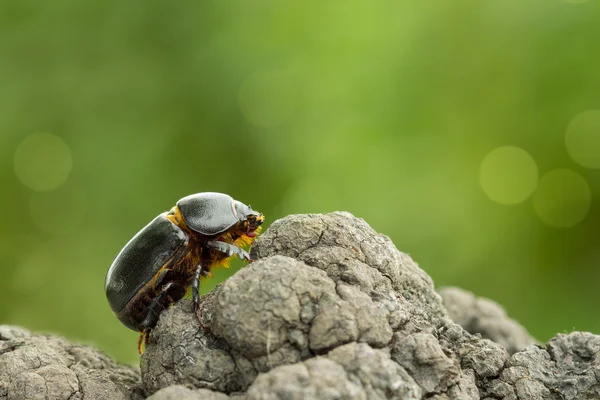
pixel 568 368
pixel 351 371
pixel 179 392
pixel 181 353
pixel 422 355
pixel 329 309
pixel 485 317
pixel 352 253
pixel 48 367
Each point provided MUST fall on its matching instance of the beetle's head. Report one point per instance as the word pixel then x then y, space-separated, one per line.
pixel 254 222
pixel 251 220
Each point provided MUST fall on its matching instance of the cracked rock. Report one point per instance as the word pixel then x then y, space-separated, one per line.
pixel 422 355
pixel 567 368
pixel 352 371
pixel 46 367
pixel 485 317
pixel 329 309
pixel 179 392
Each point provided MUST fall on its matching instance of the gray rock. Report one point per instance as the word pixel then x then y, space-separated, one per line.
pixel 182 353
pixel 47 367
pixel 179 392
pixel 351 252
pixel 485 317
pixel 329 309
pixel 422 355
pixel 317 378
pixel 568 368
pixel 352 371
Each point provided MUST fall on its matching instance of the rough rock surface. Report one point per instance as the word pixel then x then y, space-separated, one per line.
pixel 485 317
pixel 332 310
pixel 179 392
pixel 46 367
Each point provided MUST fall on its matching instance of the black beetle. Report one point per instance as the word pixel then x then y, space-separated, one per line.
pixel 158 265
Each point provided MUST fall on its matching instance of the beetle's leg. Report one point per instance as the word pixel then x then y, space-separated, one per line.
pixel 140 341
pixel 143 340
pixel 229 249
pixel 170 293
pixel 200 271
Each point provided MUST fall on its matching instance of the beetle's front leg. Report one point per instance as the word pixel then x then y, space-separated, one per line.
pixel 229 249
pixel 200 271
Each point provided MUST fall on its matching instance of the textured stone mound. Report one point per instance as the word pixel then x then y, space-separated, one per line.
pixel 45 367
pixel 332 310
pixel 482 316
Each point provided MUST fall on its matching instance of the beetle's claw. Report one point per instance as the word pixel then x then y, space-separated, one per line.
pixel 198 313
pixel 196 306
pixel 204 327
pixel 229 249
pixel 243 255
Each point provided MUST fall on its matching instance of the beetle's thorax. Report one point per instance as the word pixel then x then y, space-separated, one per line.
pixel 174 215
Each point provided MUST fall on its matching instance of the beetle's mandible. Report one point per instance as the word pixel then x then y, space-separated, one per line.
pixel 171 253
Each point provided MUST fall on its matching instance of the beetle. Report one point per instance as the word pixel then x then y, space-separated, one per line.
pixel 159 264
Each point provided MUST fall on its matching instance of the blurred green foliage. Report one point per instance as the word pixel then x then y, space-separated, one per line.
pixel 385 109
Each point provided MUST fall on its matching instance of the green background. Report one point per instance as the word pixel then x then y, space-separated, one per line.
pixel 386 109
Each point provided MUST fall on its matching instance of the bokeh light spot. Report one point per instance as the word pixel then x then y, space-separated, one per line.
pixel 563 198
pixel 267 98
pixel 43 161
pixel 508 175
pixel 583 139
pixel 58 212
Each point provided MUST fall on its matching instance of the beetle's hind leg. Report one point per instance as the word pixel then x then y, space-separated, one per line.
pixel 140 341
pixel 143 341
pixel 200 271
pixel 229 249
pixel 168 294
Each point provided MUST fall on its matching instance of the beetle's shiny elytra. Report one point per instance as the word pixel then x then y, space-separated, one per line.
pixel 172 252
